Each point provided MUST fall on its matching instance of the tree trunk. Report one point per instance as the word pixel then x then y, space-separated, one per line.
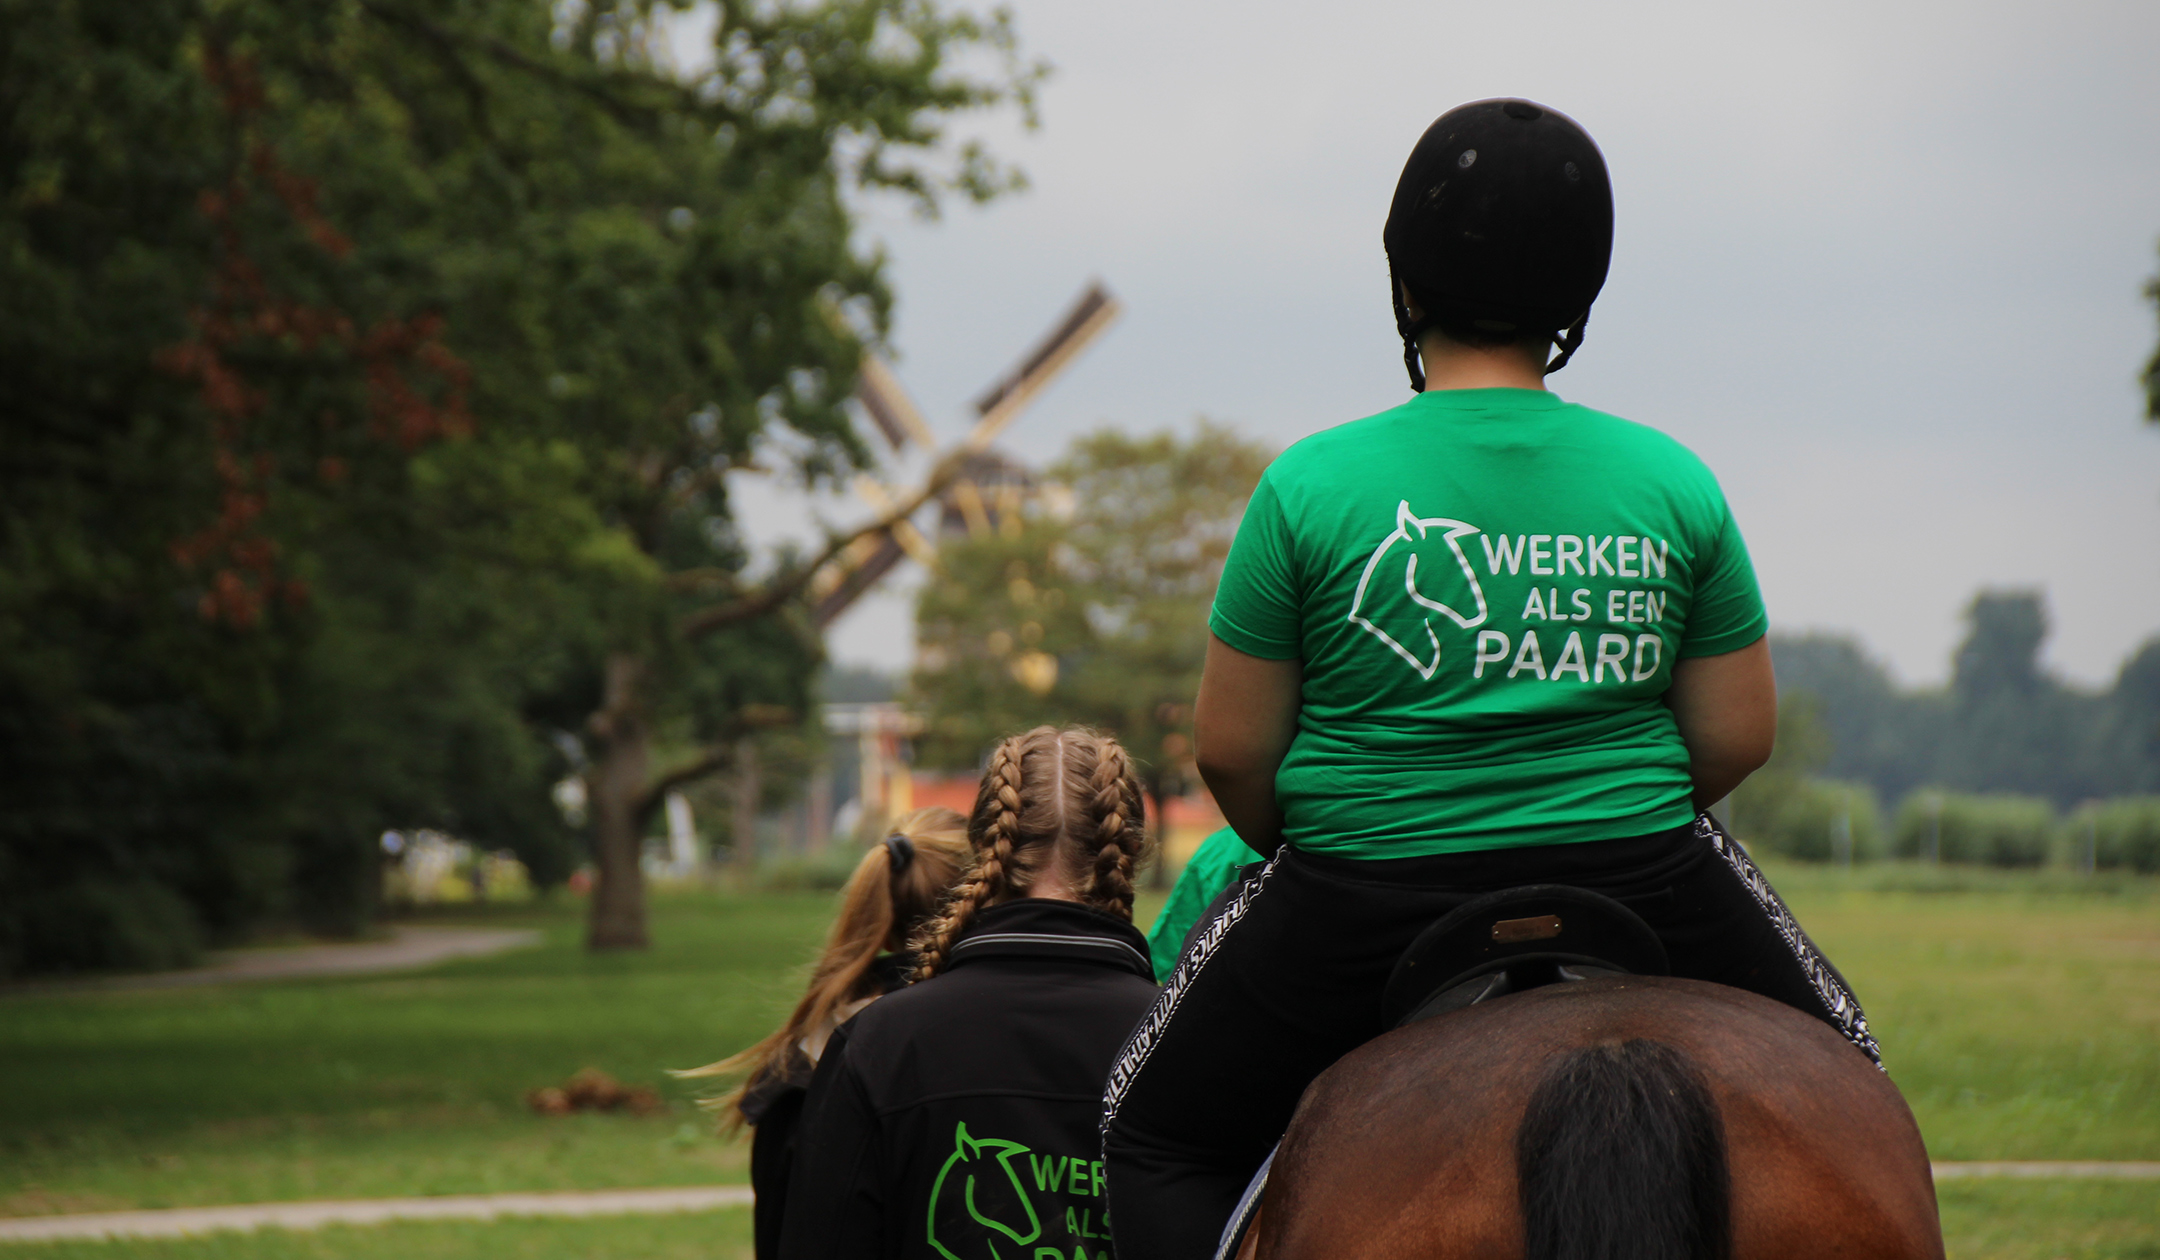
pixel 743 822
pixel 615 787
pixel 1159 869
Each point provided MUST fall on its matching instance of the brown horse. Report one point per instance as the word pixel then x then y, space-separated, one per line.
pixel 1623 1118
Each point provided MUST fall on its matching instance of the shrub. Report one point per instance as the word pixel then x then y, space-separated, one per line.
pixel 1812 819
pixel 1986 829
pixel 107 924
pixel 2125 832
pixel 826 873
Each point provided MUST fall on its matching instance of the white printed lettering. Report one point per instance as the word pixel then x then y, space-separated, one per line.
pixel 1654 604
pixel 1571 657
pixel 1540 557
pixel 1495 640
pixel 1612 605
pixel 1664 553
pixel 1569 549
pixel 1535 607
pixel 1611 650
pixel 1598 559
pixel 1497 553
pixel 1582 606
pixel 1634 606
pixel 1529 656
pixel 1657 654
pixel 1626 552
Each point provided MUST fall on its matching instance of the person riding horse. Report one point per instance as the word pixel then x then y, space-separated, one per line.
pixel 1484 639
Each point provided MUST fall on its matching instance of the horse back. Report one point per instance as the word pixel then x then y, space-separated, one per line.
pixel 1407 1146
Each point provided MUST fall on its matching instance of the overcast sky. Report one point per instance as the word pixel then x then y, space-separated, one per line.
pixel 1878 263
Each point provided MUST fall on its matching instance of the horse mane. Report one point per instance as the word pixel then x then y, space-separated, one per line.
pixel 1621 1156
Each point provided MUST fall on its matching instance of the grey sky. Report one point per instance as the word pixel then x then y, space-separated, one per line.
pixel 1878 263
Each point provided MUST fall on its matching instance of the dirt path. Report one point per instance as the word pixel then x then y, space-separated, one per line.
pixel 407 948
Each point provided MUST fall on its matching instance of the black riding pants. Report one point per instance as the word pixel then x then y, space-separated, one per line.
pixel 1286 977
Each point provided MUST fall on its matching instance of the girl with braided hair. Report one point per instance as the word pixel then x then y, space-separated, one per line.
pixel 896 888
pixel 957 1119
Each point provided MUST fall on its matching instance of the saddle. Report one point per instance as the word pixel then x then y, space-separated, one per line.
pixel 1515 939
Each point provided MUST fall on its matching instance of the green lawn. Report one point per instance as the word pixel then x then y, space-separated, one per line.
pixel 2021 1014
pixel 400 1085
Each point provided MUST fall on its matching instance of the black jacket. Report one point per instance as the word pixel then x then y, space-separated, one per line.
pixel 773 1102
pixel 956 1119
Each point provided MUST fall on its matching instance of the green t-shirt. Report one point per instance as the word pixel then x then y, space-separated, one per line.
pixel 1214 864
pixel 1487 589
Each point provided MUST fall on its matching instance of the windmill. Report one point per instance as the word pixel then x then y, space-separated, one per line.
pixel 988 489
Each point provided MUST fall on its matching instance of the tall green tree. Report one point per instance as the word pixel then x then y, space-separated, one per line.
pixel 2003 724
pixel 374 373
pixel 1097 615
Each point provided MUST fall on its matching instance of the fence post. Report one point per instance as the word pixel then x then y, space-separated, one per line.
pixel 1934 844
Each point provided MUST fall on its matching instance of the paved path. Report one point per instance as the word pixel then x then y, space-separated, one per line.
pixel 2132 1169
pixel 176 1222
pixel 407 948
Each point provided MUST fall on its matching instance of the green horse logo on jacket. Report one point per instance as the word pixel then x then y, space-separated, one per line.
pixel 980 1208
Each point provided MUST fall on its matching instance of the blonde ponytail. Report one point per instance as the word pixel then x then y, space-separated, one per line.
pixel 883 905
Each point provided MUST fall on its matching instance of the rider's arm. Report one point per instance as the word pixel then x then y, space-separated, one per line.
pixel 1242 726
pixel 1726 706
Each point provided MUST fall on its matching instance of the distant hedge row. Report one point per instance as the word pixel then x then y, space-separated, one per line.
pixel 1823 820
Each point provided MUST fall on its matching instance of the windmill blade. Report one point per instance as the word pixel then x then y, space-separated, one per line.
pixel 882 560
pixel 1094 311
pixel 889 405
pixel 968 498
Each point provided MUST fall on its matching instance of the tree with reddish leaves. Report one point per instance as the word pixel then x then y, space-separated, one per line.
pixel 244 319
pixel 373 375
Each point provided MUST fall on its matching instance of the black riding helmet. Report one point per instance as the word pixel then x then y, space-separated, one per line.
pixel 1502 226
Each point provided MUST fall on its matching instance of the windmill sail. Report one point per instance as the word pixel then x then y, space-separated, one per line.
pixel 856 581
pixel 889 407
pixel 1093 312
pixel 965 505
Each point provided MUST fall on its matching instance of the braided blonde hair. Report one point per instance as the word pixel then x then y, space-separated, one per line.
pixel 1119 834
pixel 1060 801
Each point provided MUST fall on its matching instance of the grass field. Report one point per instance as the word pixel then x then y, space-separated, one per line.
pixel 2021 1014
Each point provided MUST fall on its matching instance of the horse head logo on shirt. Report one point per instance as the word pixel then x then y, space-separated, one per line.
pixel 1417 538
pixel 977 1197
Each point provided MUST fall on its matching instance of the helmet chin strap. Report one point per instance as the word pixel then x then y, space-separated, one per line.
pixel 1413 329
pixel 1570 342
